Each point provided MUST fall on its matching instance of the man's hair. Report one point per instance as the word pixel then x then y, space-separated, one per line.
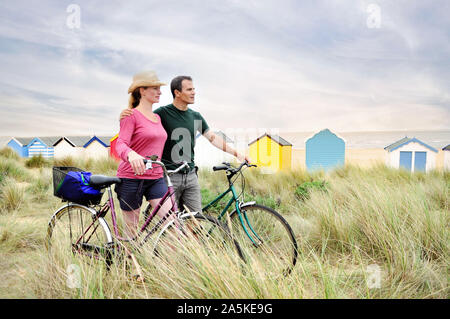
pixel 176 83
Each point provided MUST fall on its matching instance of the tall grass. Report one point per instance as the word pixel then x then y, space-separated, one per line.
pixel 13 169
pixel 106 165
pixel 9 153
pixel 37 161
pixel 12 195
pixel 395 220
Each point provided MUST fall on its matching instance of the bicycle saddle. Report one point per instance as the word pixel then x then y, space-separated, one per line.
pixel 102 181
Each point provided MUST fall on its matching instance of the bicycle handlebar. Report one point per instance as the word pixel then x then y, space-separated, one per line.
pixel 228 167
pixel 148 165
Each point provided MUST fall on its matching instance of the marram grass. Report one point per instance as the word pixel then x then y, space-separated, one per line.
pixel 368 222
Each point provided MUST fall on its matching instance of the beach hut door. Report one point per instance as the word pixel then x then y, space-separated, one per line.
pixel 405 160
pixel 420 160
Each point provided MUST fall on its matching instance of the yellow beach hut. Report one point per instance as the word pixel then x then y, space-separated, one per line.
pixel 271 152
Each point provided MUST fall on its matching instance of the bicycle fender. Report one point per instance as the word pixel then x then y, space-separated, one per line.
pixel 243 205
pixel 188 214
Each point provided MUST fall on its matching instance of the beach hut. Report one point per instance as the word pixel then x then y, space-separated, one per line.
pixel 97 147
pixel 324 150
pixel 271 152
pixel 32 146
pixel 20 145
pixel 207 155
pixel 447 157
pixel 411 154
pixel 112 147
pixel 70 146
pixel 41 146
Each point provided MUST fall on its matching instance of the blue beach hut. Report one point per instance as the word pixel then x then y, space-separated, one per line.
pixel 20 145
pixel 29 146
pixel 325 150
pixel 41 146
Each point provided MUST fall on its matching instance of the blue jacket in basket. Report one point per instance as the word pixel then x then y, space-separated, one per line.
pixel 75 188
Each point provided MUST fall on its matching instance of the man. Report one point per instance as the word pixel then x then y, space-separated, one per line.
pixel 182 124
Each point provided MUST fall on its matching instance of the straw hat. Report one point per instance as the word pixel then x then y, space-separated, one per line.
pixel 146 78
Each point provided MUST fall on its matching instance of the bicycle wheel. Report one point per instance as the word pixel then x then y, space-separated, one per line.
pixel 196 236
pixel 74 230
pixel 274 248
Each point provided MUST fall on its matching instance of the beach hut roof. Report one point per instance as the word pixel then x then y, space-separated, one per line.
pixel 24 141
pixel 75 141
pixel 104 140
pixel 221 134
pixel 325 131
pixel 224 137
pixel 275 138
pixel 48 140
pixel 114 137
pixel 405 141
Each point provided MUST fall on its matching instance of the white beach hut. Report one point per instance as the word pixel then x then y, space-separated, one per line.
pixel 207 155
pixel 70 146
pixel 97 147
pixel 411 154
pixel 447 157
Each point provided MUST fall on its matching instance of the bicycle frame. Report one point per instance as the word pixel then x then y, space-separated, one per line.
pixel 110 205
pixel 238 206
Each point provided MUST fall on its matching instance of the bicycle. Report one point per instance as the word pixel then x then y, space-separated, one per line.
pixel 82 229
pixel 260 230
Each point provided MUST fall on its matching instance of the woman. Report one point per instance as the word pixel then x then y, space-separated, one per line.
pixel 140 135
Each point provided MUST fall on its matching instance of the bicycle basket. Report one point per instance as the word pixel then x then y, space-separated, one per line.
pixel 72 184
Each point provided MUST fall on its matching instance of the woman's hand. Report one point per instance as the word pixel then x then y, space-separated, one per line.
pixel 136 162
pixel 125 113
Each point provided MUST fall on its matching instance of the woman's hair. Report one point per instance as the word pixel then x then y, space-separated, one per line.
pixel 135 97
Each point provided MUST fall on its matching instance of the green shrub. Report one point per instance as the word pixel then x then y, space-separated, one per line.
pixel 65 161
pixel 302 191
pixel 37 162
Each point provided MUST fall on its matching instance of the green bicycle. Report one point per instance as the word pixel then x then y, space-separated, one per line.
pixel 265 237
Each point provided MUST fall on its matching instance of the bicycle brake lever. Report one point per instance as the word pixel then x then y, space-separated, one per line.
pixel 153 157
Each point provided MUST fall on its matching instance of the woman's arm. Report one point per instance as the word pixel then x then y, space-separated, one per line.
pixel 127 126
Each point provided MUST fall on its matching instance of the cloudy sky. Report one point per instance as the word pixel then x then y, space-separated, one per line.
pixel 288 65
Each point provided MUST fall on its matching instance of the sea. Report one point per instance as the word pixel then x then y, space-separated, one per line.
pixel 355 140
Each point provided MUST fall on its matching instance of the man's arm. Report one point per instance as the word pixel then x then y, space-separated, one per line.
pixel 220 143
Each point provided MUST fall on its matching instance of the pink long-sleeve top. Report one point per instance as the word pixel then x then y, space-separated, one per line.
pixel 143 136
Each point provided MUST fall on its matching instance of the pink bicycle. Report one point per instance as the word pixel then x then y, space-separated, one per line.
pixel 81 228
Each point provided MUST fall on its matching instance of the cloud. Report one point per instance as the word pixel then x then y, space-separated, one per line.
pixel 255 64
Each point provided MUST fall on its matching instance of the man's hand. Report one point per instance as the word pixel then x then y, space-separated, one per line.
pixel 125 113
pixel 136 162
pixel 243 158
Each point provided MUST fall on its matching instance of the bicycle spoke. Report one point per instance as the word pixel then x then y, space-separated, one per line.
pixel 266 239
pixel 76 229
pixel 199 237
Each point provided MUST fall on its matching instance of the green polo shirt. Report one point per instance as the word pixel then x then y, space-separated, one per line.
pixel 181 128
